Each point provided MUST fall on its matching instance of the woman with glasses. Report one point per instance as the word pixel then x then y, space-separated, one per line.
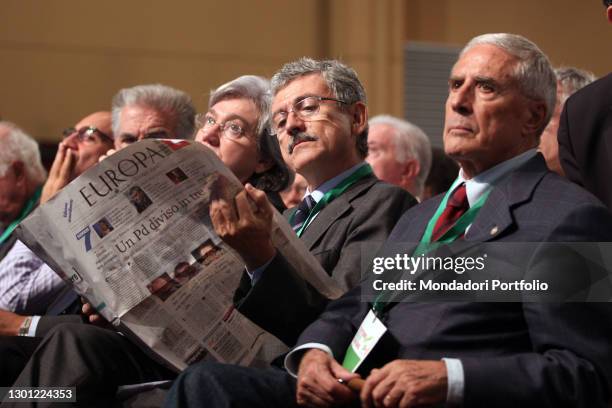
pixel 235 127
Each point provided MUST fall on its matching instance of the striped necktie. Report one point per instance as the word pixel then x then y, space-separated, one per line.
pixel 302 212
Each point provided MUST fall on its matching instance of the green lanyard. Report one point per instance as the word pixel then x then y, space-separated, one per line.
pixel 449 236
pixel 362 172
pixel 26 210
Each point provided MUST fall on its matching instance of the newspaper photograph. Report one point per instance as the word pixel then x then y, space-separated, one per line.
pixel 134 237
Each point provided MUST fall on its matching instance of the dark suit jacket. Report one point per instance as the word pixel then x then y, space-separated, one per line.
pixel 585 138
pixel 281 302
pixel 513 354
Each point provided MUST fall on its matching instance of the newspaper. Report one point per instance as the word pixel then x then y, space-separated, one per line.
pixel 134 237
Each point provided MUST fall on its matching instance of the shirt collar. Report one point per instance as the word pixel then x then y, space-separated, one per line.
pixel 320 191
pixel 480 184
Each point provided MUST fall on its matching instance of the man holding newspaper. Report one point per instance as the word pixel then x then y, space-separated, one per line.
pixel 322 128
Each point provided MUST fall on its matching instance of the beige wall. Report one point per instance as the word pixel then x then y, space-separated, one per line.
pixel 570 32
pixel 62 59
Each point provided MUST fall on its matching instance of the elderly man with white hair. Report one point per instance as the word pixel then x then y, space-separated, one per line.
pixel 458 353
pixel 22 285
pixel 27 284
pixel 21 176
pixel 399 153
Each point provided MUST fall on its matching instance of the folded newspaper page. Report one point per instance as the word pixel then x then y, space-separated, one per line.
pixel 133 236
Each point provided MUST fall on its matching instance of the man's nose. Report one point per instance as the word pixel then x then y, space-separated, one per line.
pixel 295 124
pixel 461 99
pixel 72 140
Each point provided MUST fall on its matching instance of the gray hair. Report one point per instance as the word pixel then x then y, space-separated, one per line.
pixel 410 142
pixel 533 71
pixel 571 79
pixel 340 79
pixel 251 87
pixel 257 90
pixel 161 98
pixel 18 146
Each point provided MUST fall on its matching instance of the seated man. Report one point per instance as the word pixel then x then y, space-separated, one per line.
pixel 28 284
pixel 399 153
pixel 367 209
pixel 35 286
pixel 21 175
pixel 137 112
pixel 501 96
pixel 319 116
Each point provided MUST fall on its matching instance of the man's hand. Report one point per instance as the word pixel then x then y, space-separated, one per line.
pixel 318 384
pixel 248 229
pixel 93 316
pixel 10 323
pixel 406 383
pixel 108 153
pixel 61 173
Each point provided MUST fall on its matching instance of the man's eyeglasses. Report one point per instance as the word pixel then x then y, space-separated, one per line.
pixel 305 109
pixel 85 134
pixel 231 129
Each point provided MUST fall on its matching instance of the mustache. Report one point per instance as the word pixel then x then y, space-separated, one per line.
pixel 299 138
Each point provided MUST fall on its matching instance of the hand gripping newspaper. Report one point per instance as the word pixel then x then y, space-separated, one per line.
pixel 134 237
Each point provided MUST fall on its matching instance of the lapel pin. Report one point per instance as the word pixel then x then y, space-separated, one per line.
pixel 494 230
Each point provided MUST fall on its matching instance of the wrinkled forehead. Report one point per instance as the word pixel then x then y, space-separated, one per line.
pixel 138 120
pixel 485 60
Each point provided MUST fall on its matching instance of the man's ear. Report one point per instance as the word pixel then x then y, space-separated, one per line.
pixel 360 117
pixel 535 119
pixel 410 169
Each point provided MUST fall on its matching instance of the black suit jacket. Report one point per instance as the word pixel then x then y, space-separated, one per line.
pixel 585 138
pixel 283 303
pixel 513 354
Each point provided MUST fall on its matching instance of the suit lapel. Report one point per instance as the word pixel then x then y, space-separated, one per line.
pixel 334 210
pixel 495 217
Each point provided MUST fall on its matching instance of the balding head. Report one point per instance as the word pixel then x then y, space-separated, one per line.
pixel 91 138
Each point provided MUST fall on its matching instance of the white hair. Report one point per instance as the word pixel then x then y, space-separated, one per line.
pixel 410 142
pixel 533 71
pixel 571 79
pixel 161 98
pixel 18 146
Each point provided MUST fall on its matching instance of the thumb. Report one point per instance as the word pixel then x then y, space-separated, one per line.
pixel 259 198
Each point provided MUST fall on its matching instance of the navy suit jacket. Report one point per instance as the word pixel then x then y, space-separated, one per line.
pixel 513 354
